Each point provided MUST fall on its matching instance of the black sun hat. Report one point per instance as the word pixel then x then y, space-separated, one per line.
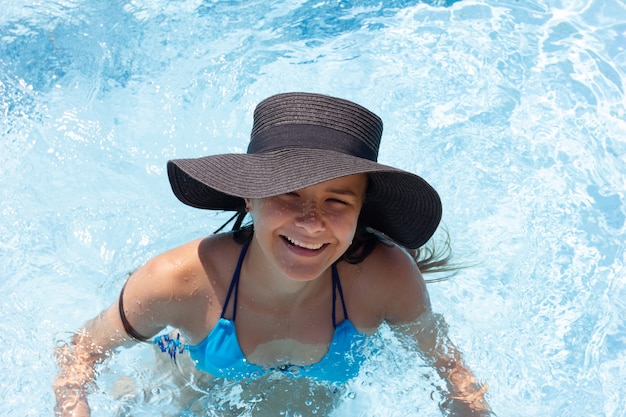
pixel 302 139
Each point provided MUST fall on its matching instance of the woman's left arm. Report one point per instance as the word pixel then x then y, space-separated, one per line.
pixel 466 396
pixel 409 308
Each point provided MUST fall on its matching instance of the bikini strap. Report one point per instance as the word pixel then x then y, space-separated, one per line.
pixel 234 283
pixel 337 289
pixel 234 286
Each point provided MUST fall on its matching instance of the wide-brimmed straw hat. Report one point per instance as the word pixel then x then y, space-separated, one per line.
pixel 302 139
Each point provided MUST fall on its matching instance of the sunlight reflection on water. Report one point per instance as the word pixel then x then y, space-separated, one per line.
pixel 513 110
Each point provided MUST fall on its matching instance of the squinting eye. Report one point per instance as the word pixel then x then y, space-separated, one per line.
pixel 335 200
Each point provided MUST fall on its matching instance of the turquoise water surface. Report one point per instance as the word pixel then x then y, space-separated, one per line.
pixel 513 110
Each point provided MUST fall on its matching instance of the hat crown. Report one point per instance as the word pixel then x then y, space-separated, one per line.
pixel 307 120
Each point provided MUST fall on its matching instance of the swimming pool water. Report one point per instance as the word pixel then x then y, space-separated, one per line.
pixel 513 110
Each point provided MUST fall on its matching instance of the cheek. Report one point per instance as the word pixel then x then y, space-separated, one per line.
pixel 268 213
pixel 352 232
pixel 343 224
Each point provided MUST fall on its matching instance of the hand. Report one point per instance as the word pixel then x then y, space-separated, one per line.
pixel 71 397
pixel 468 397
pixel 469 404
pixel 456 408
pixel 71 402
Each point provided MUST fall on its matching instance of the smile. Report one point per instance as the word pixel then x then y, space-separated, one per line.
pixel 310 246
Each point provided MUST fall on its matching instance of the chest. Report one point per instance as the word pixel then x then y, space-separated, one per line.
pixel 301 336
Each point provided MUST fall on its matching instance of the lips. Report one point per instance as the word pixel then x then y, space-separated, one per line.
pixel 304 245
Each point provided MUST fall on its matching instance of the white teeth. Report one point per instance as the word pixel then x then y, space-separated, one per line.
pixel 304 245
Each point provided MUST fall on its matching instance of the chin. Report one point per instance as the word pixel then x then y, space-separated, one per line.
pixel 304 275
pixel 303 272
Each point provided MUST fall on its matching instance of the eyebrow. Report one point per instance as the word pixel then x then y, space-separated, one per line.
pixel 342 191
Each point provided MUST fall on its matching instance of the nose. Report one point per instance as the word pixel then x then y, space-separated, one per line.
pixel 310 218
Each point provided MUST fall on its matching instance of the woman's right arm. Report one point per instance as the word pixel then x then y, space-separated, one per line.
pixel 77 360
pixel 158 294
pixel 150 304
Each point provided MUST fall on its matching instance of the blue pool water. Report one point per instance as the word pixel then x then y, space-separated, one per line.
pixel 514 110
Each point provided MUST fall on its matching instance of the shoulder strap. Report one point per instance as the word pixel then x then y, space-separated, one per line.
pixel 234 283
pixel 337 289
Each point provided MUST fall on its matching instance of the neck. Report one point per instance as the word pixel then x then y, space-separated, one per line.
pixel 262 277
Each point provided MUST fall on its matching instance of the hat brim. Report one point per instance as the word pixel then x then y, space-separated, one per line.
pixel 400 204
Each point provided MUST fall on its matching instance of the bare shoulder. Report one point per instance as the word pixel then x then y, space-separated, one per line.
pixel 187 266
pixel 168 270
pixel 391 260
pixel 391 284
pixel 175 286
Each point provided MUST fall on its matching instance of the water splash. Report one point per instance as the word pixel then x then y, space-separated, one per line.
pixel 513 110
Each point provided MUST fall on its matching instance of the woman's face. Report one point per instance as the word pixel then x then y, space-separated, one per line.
pixel 303 232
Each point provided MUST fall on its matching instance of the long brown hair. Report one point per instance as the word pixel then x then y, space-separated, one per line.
pixel 434 257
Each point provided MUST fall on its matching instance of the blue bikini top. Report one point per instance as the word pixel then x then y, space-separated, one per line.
pixel 220 353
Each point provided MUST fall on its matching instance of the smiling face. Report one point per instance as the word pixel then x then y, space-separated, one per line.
pixel 303 232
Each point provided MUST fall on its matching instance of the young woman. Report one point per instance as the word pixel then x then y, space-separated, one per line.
pixel 327 258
